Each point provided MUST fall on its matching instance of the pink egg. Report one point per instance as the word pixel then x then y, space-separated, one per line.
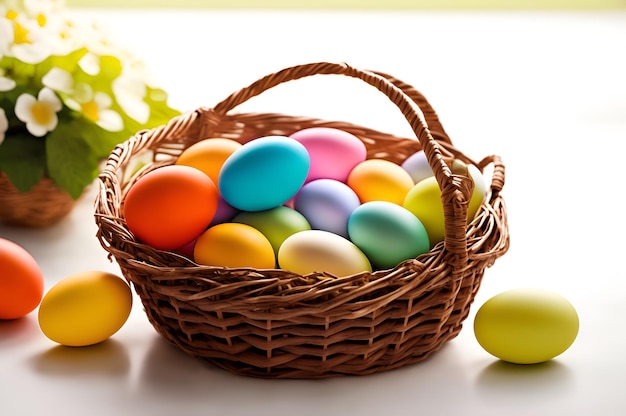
pixel 333 152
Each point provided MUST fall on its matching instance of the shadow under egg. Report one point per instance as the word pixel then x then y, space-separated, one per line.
pixel 510 382
pixel 18 330
pixel 106 359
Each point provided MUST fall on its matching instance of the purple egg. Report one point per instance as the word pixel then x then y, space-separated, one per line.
pixel 224 213
pixel 327 205
pixel 417 166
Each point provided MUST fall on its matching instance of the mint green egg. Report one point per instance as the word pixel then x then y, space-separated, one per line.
pixel 387 233
pixel 275 224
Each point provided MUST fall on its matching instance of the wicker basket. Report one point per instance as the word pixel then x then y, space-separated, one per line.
pixel 277 324
pixel 41 206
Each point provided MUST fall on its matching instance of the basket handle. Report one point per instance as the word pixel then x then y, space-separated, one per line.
pixel 430 115
pixel 456 187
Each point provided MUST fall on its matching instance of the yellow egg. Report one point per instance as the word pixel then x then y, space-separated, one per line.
pixel 85 308
pixel 234 245
pixel 424 201
pixel 311 251
pixel 526 325
pixel 208 155
pixel 380 180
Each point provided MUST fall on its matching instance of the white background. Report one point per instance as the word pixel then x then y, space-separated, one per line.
pixel 545 91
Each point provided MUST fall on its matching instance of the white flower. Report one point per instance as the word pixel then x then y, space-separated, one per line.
pixel 130 92
pixel 4 124
pixel 90 63
pixel 58 79
pixel 81 97
pixel 40 113
pixel 23 37
pixel 97 109
pixel 40 8
pixel 6 84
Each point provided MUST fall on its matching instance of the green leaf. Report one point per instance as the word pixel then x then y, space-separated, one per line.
pixel 68 62
pixel 23 159
pixel 160 111
pixel 72 163
pixel 110 67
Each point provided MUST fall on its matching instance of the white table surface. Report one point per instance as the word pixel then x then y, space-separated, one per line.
pixel 546 91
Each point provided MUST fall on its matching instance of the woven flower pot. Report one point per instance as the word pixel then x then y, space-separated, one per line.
pixel 276 323
pixel 42 206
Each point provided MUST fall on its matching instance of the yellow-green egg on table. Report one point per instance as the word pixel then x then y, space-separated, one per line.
pixel 85 308
pixel 526 325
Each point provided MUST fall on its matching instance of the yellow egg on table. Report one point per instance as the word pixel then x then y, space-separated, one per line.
pixel 526 325
pixel 85 308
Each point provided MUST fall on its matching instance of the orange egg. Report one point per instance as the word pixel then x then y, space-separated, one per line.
pixel 170 206
pixel 234 245
pixel 380 180
pixel 208 155
pixel 21 281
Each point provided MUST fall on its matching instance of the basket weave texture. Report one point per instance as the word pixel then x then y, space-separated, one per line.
pixel 41 206
pixel 278 324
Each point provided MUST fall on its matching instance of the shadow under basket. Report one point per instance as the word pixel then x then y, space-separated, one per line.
pixel 278 324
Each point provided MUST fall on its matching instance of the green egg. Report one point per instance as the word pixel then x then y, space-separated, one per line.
pixel 387 233
pixel 276 224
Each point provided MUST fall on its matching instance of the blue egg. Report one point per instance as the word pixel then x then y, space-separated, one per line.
pixel 264 173
pixel 327 205
pixel 387 233
pixel 417 166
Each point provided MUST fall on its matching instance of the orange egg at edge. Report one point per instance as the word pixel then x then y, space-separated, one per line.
pixel 21 281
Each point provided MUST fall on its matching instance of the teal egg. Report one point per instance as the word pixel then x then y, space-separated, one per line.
pixel 264 173
pixel 387 233
pixel 275 224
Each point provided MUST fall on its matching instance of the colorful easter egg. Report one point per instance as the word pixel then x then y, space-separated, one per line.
pixel 322 251
pixel 327 205
pixel 333 152
pixel 264 173
pixel 380 180
pixel 387 233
